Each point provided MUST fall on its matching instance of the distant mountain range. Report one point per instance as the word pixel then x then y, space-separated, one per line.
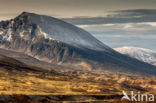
pixel 142 54
pixel 56 42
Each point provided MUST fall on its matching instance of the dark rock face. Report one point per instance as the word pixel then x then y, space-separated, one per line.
pixel 27 37
pixel 21 34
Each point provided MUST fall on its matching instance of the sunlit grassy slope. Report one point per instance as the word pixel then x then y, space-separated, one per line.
pixel 18 78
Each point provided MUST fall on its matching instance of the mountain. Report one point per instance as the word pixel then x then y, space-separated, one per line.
pixel 142 54
pixel 56 42
pixel 8 64
pixel 29 60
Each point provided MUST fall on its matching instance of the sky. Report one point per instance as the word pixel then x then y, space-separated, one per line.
pixel 115 22
pixel 72 8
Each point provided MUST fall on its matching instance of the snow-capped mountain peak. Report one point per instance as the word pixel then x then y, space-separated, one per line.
pixel 61 31
pixel 142 54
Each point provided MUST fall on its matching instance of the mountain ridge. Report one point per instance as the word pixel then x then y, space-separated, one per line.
pixel 142 54
pixel 65 46
pixel 78 36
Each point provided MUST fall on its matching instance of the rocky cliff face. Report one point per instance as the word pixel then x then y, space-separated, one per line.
pixel 20 34
pixel 55 41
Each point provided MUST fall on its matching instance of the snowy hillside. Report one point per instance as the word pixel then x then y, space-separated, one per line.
pixel 61 31
pixel 142 54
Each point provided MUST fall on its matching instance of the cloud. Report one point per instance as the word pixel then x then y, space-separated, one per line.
pixel 122 16
pixel 125 34
pixel 121 27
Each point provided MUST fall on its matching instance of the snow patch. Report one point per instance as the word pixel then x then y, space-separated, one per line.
pixel 21 34
pixel 1 32
pixel 46 36
pixel 8 35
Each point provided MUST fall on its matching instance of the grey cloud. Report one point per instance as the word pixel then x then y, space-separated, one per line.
pixel 125 34
pixel 7 16
pixel 122 16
